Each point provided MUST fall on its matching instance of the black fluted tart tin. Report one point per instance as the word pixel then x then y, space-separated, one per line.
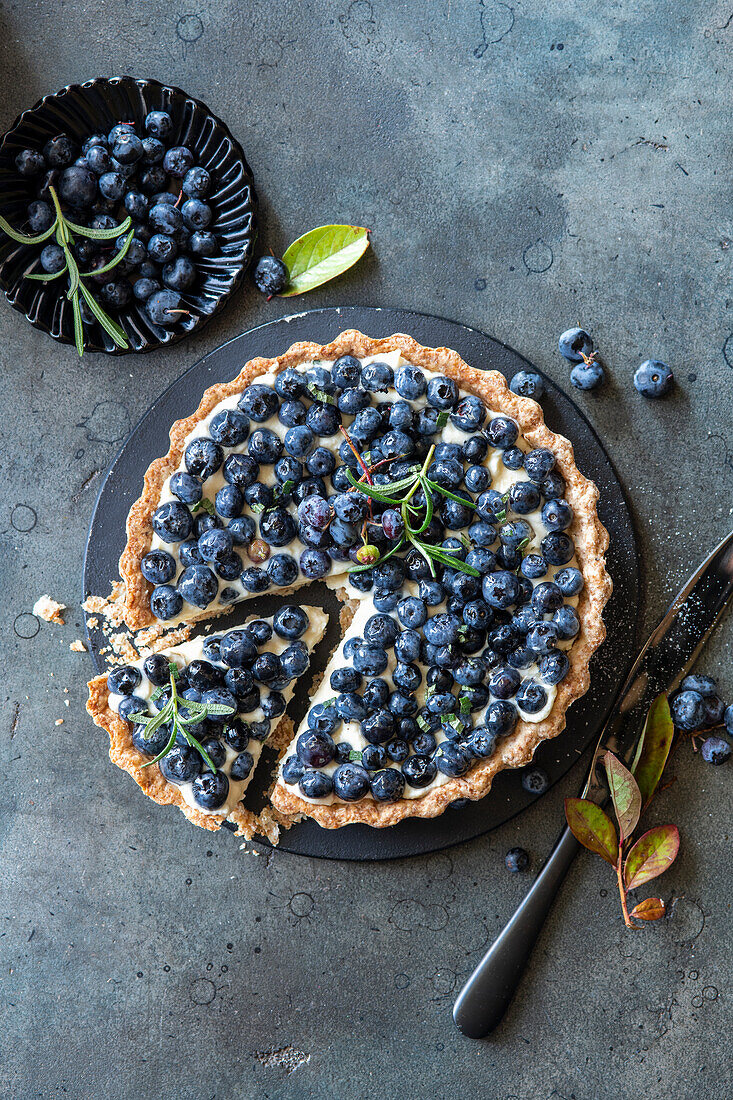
pixel 81 110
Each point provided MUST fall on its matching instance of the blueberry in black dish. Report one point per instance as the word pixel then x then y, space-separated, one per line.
pixel 144 192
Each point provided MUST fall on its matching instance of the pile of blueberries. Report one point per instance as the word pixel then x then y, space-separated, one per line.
pixel 115 175
pixel 697 708
pixel 234 672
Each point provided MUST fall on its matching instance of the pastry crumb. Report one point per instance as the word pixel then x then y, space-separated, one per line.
pixel 49 610
pixel 59 722
pixel 78 646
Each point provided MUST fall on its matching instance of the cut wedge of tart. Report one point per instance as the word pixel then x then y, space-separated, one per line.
pixel 189 723
pixel 430 492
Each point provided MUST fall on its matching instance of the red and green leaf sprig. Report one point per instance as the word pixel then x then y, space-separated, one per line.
pixel 65 232
pixel 631 792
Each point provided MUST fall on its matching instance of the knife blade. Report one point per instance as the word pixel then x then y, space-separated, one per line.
pixel 666 657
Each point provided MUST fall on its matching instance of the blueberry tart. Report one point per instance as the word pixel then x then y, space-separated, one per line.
pixel 437 498
pixel 189 723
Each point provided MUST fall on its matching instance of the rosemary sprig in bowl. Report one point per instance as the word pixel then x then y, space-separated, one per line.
pixel 65 232
pixel 171 713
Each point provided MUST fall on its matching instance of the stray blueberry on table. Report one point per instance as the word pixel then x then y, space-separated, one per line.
pixel 587 376
pixel 164 308
pixel 575 345
pixel 653 378
pixel 535 780
pixel 271 276
pixel 715 750
pixel 516 859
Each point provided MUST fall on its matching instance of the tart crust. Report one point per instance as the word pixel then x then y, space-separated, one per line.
pixel 589 535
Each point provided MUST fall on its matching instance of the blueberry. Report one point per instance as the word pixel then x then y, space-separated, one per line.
pixel 164 218
pixel 512 458
pixel 59 151
pixel 419 770
pixel 259 402
pixel 535 780
pixel 181 765
pixel 203 244
pixel 323 419
pixel 527 383
pixel 198 585
pixel 136 204
pixel 377 377
pixel 29 163
pixel 410 382
pixel 567 622
pixel 500 589
pixel 162 249
pixel 40 217
pixel 242 767
pixel 688 710
pixel 117 294
pixel 123 680
pixel 452 759
pixel 177 160
pixel 292 770
pixel 442 392
pixel 112 186
pixel 653 378
pixel 502 432
pixel 127 148
pixel 215 545
pixel 504 682
pixel 477 479
pixel 557 548
pixel 531 697
pixel 196 214
pixel 500 718
pixel 78 186
pixel 715 750
pixel 575 344
pixel 164 308
pixel 271 276
pixel 387 785
pixel 152 179
pixel 158 567
pixel 172 522
pixel 219 697
pixel 714 710
pixel 586 376
pixel 179 275
pixel 159 124
pixel 290 622
pixel 557 515
pixel 53 258
pixel 314 784
pixel 554 667
pixel 165 602
pixel 210 790
pixel 469 414
pixel 516 860
pixel 482 743
pixel 153 150
pixel 277 526
pixel 203 457
pixel 553 486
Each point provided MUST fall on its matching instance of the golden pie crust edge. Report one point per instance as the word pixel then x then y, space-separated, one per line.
pixel 588 533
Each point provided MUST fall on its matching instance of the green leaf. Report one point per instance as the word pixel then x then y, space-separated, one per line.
pixel 115 259
pixel 447 493
pixel 206 504
pixel 592 827
pixel 355 756
pixel 73 275
pixel 23 238
pixel 653 749
pixel 100 234
pixel 322 254
pixel 218 708
pixel 625 795
pixel 78 325
pixel 47 278
pixel 106 322
pixel 442 418
pixel 652 854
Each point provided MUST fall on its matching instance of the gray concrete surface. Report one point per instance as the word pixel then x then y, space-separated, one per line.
pixel 523 168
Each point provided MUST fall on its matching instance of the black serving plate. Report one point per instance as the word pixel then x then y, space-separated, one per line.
pixel 84 109
pixel 148 441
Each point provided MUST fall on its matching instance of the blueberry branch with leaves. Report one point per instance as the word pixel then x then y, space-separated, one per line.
pixel 416 512
pixel 180 722
pixel 631 792
pixel 65 232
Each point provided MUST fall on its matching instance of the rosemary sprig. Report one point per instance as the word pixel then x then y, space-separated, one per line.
pixel 415 517
pixel 65 231
pixel 171 713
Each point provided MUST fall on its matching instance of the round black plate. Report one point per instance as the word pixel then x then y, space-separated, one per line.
pixel 122 487
pixel 81 110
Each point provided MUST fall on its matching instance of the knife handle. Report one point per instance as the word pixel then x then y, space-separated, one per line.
pixel 486 995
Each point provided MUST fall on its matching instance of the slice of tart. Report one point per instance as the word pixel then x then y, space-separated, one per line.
pixel 443 501
pixel 189 723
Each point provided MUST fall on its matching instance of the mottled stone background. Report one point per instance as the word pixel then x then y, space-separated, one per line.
pixel 523 167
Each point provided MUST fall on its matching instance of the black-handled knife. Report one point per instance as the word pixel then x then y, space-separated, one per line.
pixel 667 656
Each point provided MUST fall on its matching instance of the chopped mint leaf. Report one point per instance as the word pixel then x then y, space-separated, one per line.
pixel 206 504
